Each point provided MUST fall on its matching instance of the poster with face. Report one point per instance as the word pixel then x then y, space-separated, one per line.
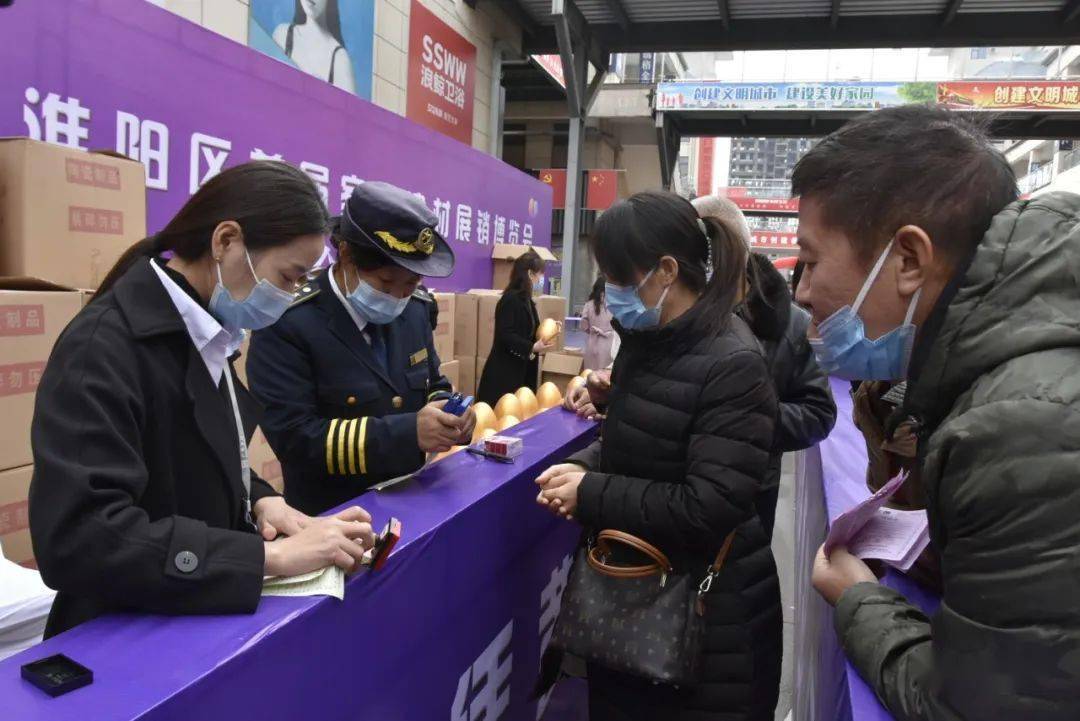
pixel 330 39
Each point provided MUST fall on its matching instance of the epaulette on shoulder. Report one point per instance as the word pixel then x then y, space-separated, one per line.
pixel 306 293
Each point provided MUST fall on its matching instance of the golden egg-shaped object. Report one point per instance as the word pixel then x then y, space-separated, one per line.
pixel 507 422
pixel 527 399
pixel 585 373
pixel 548 396
pixel 488 433
pixel 508 405
pixel 485 418
pixel 547 330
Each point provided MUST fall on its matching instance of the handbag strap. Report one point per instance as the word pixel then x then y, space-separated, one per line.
pixel 722 554
pixel 598 554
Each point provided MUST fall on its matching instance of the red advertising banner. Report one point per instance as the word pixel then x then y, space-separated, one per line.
pixel 603 189
pixel 552 65
pixel 442 76
pixel 1010 95
pixel 773 239
pixel 706 150
pixel 556 178
pixel 763 205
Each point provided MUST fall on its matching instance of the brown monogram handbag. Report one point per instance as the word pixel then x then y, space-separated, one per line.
pixel 646 620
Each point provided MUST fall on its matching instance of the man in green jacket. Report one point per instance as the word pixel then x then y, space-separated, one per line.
pixel 921 264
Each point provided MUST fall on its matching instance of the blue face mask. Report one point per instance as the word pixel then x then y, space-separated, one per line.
pixel 262 306
pixel 627 307
pixel 374 306
pixel 843 350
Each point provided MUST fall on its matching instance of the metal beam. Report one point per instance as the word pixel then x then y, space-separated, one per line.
pixel 593 91
pixel 667 141
pixel 966 30
pixel 950 11
pixel 834 13
pixel 520 15
pixel 617 9
pixel 725 14
pixel 1070 11
pixel 574 91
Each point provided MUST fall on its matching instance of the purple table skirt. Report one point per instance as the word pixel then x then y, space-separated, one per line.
pixel 477 557
pixel 843 461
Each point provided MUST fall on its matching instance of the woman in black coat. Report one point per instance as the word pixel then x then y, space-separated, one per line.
pixel 512 362
pixel 684 449
pixel 142 498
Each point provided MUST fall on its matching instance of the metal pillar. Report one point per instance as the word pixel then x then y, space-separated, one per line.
pixel 574 48
pixel 497 108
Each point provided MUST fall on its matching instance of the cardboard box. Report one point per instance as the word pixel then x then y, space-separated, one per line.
pixel 559 368
pixel 467 374
pixel 485 320
pixel 503 256
pixel 444 332
pixel 480 361
pixel 32 315
pixel 452 371
pixel 264 462
pixel 15 515
pixel 554 307
pixel 66 215
pixel 466 307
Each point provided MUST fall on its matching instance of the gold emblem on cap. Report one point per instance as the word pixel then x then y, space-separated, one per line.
pixel 424 243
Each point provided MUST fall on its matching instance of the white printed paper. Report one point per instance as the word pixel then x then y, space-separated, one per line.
pixel 329 581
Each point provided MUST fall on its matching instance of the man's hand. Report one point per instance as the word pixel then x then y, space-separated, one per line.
pixel 339 540
pixel 576 398
pixel 274 517
pixel 599 385
pixel 837 573
pixel 437 431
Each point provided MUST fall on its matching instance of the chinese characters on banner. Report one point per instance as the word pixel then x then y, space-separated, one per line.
pixel 442 76
pixel 1007 95
pixel 184 132
pixel 552 65
pixel 603 189
pixel 556 178
pixel 768 205
pixel 772 239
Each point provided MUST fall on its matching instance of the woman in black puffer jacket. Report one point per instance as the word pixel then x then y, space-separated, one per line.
pixel 684 449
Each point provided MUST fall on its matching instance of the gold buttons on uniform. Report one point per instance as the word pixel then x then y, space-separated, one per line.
pixel 398 402
pixel 351 400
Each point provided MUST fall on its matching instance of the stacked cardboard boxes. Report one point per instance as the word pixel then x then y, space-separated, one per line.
pixel 503 256
pixel 466 308
pixel 445 331
pixel 65 218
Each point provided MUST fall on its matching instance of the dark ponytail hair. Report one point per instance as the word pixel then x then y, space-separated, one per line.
pixel 597 294
pixel 272 202
pixel 519 274
pixel 633 235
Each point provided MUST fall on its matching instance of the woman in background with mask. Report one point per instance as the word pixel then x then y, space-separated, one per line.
pixel 349 378
pixel 514 356
pixel 142 497
pixel 683 451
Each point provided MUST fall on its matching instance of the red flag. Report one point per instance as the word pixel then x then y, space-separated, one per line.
pixel 603 189
pixel 556 178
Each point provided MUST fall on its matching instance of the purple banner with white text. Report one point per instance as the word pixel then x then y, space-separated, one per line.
pixel 129 76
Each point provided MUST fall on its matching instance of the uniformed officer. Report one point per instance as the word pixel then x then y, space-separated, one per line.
pixel 349 377
pixel 142 497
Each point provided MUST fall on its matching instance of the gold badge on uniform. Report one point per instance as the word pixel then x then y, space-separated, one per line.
pixel 425 242
pixel 418 357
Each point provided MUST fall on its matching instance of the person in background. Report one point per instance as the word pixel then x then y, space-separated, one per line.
pixel 921 265
pixel 598 333
pixel 513 359
pixel 313 41
pixel 350 378
pixel 142 497
pixel 683 452
pixel 807 409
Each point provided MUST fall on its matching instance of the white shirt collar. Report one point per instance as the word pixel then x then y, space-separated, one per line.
pixel 360 322
pixel 214 343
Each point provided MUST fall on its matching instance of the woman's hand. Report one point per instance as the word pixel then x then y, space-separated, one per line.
pixel 559 489
pixel 835 574
pixel 541 346
pixel 334 541
pixel 576 398
pixel 599 385
pixel 274 517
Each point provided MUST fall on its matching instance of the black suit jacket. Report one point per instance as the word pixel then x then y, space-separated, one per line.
pixel 136 498
pixel 511 363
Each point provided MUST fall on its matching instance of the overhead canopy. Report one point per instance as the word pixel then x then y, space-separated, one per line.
pixel 706 25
